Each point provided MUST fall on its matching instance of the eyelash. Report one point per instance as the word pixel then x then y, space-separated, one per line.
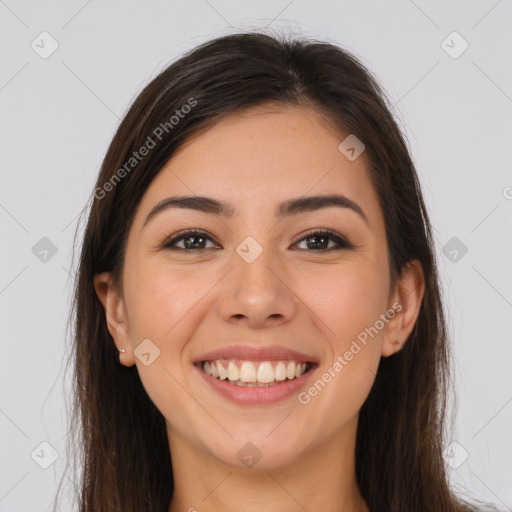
pixel 340 241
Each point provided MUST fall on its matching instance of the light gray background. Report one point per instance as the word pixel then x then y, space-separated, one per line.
pixel 59 114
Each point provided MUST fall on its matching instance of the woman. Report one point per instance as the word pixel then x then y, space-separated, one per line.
pixel 258 321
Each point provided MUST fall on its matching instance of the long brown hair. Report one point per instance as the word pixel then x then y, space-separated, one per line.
pixel 118 434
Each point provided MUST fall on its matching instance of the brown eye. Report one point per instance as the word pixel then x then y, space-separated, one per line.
pixel 192 240
pixel 319 241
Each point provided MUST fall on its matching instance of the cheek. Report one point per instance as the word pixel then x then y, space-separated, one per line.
pixel 166 305
pixel 348 303
pixel 348 300
pixel 163 299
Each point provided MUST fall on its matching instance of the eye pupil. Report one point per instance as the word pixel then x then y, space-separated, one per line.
pixel 316 245
pixel 194 244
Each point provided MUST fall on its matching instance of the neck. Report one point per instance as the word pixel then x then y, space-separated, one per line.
pixel 322 478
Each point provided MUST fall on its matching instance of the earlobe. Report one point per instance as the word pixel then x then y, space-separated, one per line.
pixel 408 296
pixel 115 314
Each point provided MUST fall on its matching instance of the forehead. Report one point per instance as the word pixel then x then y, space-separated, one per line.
pixel 259 157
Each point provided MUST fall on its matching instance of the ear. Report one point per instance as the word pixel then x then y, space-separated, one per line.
pixel 115 314
pixel 406 300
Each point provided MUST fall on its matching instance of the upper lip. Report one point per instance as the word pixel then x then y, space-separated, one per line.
pixel 249 353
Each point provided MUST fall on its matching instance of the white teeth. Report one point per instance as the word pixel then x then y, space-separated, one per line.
pixel 223 373
pixel 265 372
pixel 254 384
pixel 247 372
pixel 254 374
pixel 233 372
pixel 290 370
pixel 280 371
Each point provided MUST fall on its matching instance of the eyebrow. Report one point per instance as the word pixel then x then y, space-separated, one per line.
pixel 290 207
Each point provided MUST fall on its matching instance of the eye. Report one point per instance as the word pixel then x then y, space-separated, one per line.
pixel 197 240
pixel 193 239
pixel 321 239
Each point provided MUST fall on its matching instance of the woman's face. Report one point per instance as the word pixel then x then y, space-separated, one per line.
pixel 255 289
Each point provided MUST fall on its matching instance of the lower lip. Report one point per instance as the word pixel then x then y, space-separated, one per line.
pixel 244 395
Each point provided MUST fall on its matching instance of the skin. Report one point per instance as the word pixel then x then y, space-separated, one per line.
pixel 188 303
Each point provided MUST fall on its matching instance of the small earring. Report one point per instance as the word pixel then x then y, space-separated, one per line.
pixel 121 351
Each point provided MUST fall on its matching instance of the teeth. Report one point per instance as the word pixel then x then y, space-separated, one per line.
pixel 254 384
pixel 254 374
pixel 233 372
pixel 247 372
pixel 280 371
pixel 266 373
pixel 300 369
pixel 290 370
pixel 223 373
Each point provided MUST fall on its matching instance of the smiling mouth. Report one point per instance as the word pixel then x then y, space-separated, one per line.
pixel 255 373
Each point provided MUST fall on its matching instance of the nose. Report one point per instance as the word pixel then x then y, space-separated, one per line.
pixel 257 294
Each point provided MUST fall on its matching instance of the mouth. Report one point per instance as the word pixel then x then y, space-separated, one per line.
pixel 255 374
